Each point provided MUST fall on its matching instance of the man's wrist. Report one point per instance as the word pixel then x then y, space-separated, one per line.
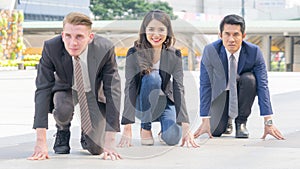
pixel 110 135
pixel 268 122
pixel 206 120
pixel 205 117
pixel 41 134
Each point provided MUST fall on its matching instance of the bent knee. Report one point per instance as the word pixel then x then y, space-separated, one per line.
pixel 63 114
pixel 247 77
pixel 153 79
pixel 172 136
pixel 171 140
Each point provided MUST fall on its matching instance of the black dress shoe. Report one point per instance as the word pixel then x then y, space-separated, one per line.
pixel 61 145
pixel 241 130
pixel 229 127
pixel 88 144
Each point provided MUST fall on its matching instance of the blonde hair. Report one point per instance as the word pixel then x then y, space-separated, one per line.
pixel 77 18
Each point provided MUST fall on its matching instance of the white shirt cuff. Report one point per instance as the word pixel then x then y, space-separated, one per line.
pixel 205 117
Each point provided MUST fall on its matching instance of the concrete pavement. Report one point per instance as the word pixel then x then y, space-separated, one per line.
pixel 17 137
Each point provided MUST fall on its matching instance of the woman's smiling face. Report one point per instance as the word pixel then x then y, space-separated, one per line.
pixel 156 33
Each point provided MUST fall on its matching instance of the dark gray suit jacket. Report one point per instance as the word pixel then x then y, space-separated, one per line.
pixel 170 66
pixel 55 73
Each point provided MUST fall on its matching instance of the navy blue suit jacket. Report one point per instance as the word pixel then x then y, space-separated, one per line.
pixel 212 76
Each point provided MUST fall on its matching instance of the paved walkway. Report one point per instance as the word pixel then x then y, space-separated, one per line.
pixel 17 137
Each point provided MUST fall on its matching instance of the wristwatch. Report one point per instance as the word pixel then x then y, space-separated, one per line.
pixel 269 122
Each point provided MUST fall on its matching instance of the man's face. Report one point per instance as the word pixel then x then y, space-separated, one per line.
pixel 76 38
pixel 232 37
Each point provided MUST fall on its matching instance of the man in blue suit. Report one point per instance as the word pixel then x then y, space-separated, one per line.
pixel 250 79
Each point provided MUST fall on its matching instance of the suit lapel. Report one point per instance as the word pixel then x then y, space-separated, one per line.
pixel 68 66
pixel 242 60
pixel 92 65
pixel 164 65
pixel 224 60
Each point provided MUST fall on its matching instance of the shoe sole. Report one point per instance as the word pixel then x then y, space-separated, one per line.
pixel 62 152
pixel 241 136
pixel 227 132
pixel 147 142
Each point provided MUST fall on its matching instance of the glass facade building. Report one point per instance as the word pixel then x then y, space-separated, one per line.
pixel 51 10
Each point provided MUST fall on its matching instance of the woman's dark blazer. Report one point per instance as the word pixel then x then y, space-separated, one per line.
pixel 171 73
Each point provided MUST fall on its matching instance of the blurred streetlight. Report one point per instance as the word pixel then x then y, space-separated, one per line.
pixel 243 8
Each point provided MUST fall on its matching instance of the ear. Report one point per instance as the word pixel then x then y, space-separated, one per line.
pixel 62 36
pixel 91 36
pixel 244 35
pixel 220 35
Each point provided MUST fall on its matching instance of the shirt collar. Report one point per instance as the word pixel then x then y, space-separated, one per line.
pixel 83 55
pixel 236 54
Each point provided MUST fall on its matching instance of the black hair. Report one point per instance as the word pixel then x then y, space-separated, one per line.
pixel 233 19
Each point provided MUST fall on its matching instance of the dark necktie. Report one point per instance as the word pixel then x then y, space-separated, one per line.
pixel 86 125
pixel 233 101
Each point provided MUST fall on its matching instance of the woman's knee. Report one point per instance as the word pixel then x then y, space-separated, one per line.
pixel 172 135
pixel 152 79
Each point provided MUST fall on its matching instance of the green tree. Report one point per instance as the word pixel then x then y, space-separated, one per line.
pixel 134 9
pixel 126 9
pixel 164 6
pixel 105 9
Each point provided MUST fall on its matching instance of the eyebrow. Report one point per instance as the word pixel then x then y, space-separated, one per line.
pixel 155 27
pixel 230 32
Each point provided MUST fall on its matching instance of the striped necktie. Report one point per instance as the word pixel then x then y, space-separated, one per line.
pixel 86 125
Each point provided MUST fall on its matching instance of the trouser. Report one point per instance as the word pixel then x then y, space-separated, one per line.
pixel 63 109
pixel 246 86
pixel 63 114
pixel 150 101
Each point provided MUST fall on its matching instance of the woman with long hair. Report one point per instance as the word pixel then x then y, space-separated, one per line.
pixel 154 88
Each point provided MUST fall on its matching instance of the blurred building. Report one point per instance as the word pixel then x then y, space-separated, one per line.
pixel 250 9
pixel 51 10
pixel 5 4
